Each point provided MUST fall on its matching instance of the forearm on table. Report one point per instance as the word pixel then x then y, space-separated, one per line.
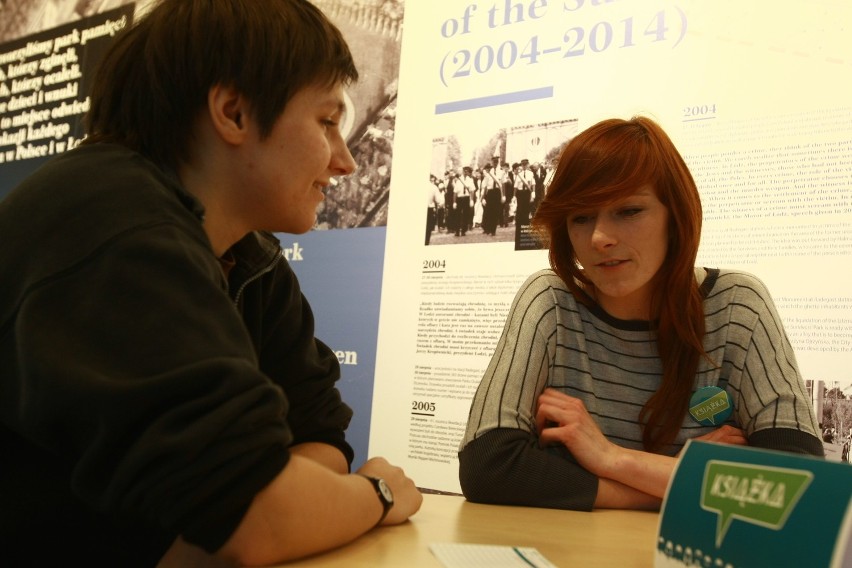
pixel 506 466
pixel 646 472
pixel 615 495
pixel 307 508
pixel 325 454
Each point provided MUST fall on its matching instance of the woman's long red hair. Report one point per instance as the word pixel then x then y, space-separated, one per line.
pixel 607 162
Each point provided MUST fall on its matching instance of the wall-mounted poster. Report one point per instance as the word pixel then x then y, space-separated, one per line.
pixel 755 98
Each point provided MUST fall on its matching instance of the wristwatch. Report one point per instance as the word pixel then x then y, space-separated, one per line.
pixel 385 494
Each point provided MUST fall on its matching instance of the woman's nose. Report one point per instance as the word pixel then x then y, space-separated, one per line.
pixel 603 235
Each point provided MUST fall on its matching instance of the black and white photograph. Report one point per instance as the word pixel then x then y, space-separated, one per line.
pixel 484 186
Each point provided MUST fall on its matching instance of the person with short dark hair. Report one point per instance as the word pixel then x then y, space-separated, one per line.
pixel 587 398
pixel 163 393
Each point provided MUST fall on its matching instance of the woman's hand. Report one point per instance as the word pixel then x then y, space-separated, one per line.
pixel 725 434
pixel 563 419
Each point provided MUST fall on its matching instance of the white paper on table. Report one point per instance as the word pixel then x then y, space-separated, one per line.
pixel 454 555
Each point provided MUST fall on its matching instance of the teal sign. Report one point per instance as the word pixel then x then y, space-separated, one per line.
pixel 738 506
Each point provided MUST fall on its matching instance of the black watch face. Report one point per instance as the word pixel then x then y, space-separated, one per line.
pixel 386 491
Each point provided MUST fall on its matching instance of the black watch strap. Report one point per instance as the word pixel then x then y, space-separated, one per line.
pixel 383 491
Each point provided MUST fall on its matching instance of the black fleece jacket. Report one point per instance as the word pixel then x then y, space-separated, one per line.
pixel 143 394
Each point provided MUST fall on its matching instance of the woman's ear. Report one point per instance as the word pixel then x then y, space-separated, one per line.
pixel 228 110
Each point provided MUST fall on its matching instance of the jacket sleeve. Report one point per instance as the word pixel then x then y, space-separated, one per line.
pixel 137 369
pixel 304 367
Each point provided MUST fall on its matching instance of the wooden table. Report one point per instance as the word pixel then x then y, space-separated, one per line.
pixel 566 538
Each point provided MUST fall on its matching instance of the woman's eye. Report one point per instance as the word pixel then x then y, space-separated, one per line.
pixel 630 211
pixel 580 220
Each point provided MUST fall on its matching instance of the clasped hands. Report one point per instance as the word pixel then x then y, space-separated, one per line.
pixel 564 419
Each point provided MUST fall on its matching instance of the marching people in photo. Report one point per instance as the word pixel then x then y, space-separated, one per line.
pixel 434 202
pixel 463 188
pixel 452 180
pixel 501 174
pixel 521 186
pixel 509 192
pixel 525 185
pixel 441 209
pixel 539 174
pixel 492 197
pixel 476 208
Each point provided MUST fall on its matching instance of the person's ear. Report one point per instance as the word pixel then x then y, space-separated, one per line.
pixel 228 111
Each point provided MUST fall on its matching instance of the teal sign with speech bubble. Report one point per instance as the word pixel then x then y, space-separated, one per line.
pixel 738 506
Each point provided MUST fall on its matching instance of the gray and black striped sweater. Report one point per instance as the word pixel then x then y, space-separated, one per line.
pixel 551 340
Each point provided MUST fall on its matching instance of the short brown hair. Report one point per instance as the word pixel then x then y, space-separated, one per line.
pixel 154 80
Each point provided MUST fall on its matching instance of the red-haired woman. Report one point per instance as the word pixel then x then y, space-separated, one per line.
pixel 587 398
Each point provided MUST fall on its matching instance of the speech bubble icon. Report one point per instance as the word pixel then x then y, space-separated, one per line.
pixel 710 406
pixel 756 494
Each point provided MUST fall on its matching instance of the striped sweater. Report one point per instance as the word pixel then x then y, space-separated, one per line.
pixel 612 365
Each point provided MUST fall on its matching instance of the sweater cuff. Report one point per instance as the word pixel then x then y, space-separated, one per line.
pixel 506 466
pixel 787 440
